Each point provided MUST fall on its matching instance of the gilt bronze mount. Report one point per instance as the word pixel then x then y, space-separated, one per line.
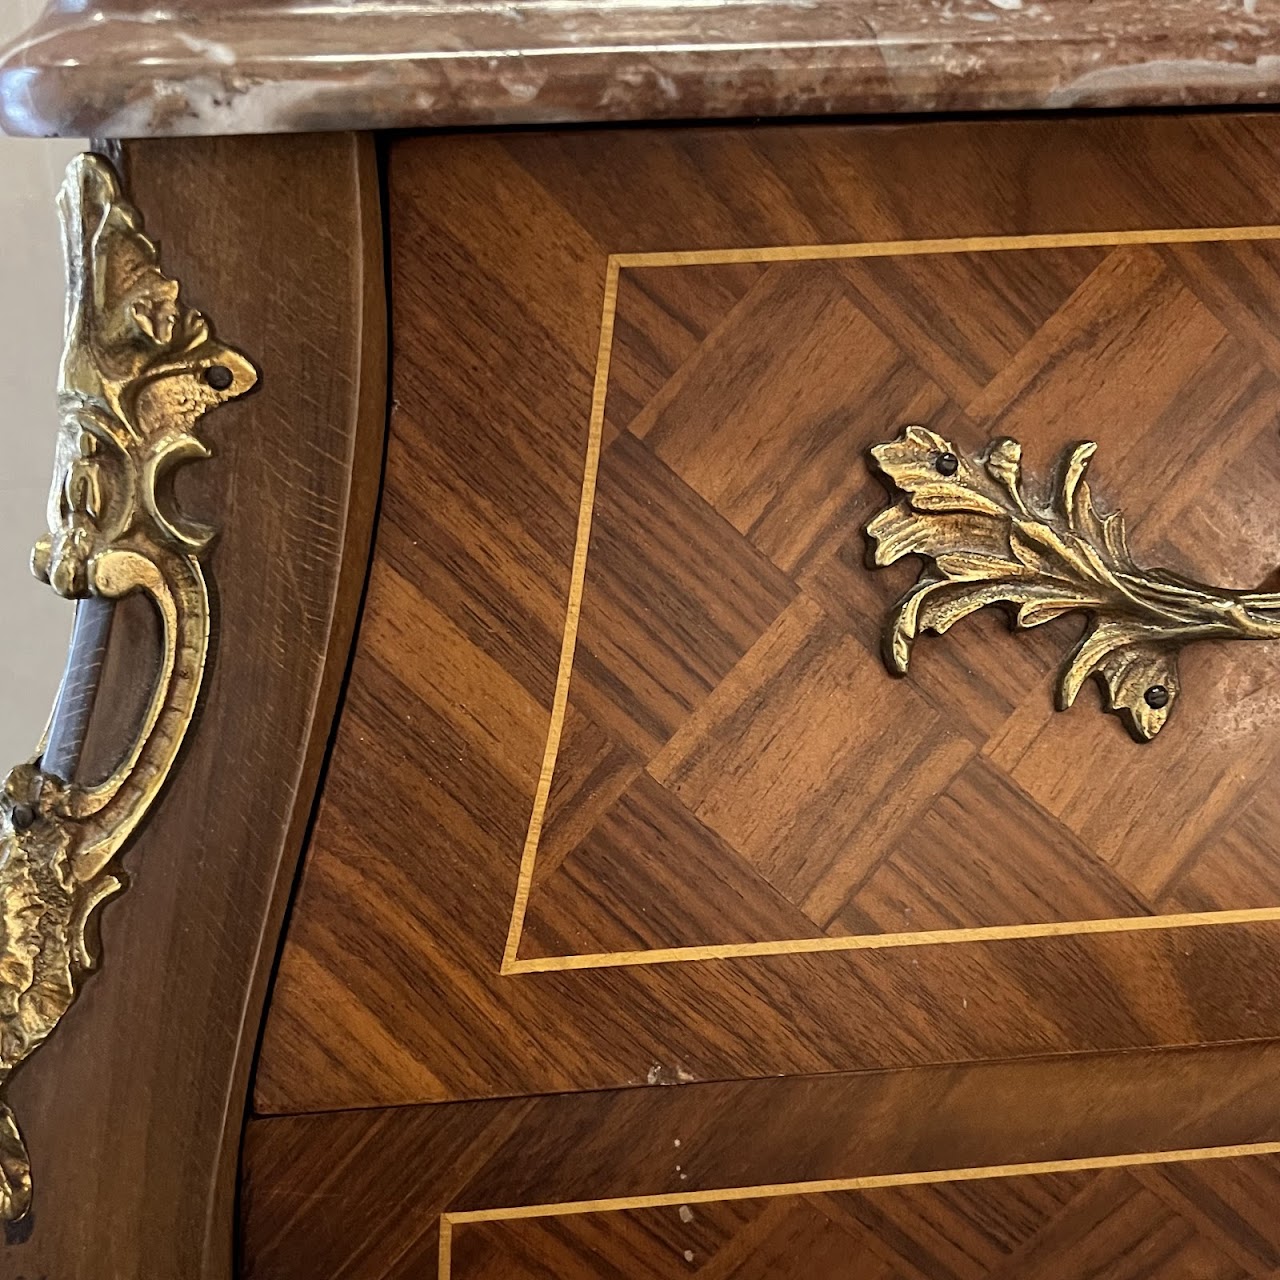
pixel 139 371
pixel 987 541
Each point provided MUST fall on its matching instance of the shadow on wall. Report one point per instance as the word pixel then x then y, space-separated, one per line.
pixel 33 622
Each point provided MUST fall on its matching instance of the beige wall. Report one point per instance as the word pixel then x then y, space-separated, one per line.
pixel 33 622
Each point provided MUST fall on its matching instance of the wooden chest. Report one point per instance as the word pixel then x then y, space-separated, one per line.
pixel 645 923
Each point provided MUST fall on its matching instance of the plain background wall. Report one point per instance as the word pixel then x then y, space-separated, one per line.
pixel 33 621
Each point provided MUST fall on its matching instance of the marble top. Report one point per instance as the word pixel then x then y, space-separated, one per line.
pixel 133 68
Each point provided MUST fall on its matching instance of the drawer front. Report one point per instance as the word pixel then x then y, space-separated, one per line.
pixel 624 793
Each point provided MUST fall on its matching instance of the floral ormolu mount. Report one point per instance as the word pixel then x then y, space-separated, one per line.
pixel 139 372
pixel 988 541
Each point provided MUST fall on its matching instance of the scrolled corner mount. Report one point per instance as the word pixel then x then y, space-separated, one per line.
pixel 986 541
pixel 139 371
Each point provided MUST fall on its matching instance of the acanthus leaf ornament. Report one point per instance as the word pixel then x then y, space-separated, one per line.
pixel 139 371
pixel 987 541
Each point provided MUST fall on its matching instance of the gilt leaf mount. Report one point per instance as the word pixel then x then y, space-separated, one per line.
pixel 986 540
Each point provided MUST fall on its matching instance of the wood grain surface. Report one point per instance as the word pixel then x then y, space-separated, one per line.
pixel 1195 1217
pixel 134 1110
pixel 621 794
pixel 794 1179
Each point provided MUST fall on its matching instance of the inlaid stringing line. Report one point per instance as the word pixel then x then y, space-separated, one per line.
pixel 1039 1168
pixel 615 264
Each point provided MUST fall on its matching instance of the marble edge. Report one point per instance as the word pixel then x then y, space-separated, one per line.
pixel 122 70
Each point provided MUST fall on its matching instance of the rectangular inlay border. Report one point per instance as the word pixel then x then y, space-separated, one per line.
pixel 869 1182
pixel 511 962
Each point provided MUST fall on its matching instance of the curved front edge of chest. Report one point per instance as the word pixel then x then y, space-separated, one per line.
pixel 216 608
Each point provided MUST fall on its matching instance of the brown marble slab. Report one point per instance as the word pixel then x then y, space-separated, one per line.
pixel 129 68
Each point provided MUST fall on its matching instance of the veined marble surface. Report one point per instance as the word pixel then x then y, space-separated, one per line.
pixel 130 68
